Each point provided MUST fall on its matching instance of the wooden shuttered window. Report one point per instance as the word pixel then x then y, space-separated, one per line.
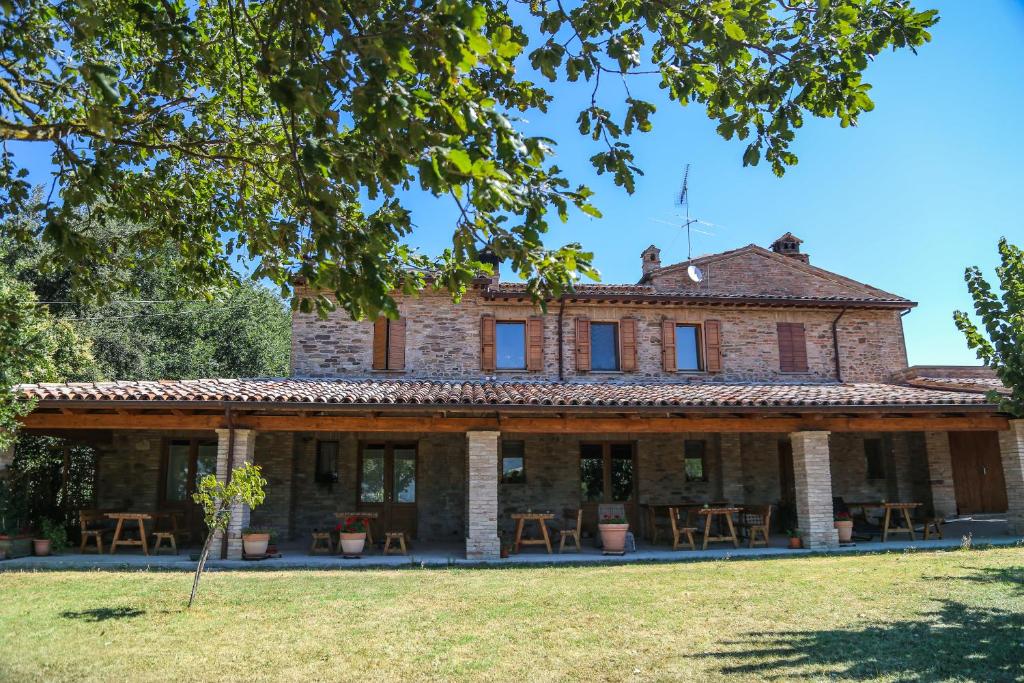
pixel 792 347
pixel 582 345
pixel 535 344
pixel 488 355
pixel 713 345
pixel 627 345
pixel 668 345
pixel 388 344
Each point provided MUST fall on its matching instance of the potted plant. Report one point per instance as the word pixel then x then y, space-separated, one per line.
pixel 352 535
pixel 795 543
pixel 272 545
pixel 53 537
pixel 255 542
pixel 613 530
pixel 844 525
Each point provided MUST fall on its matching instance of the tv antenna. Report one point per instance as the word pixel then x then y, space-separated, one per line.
pixel 694 273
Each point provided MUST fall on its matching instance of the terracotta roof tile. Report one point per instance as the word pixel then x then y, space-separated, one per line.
pixel 373 392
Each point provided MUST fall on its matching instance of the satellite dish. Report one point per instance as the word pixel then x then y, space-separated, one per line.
pixel 695 273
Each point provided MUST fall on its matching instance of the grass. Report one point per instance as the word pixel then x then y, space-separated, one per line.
pixel 902 616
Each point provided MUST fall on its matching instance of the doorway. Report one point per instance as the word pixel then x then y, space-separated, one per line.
pixel 977 472
pixel 607 475
pixel 387 486
pixel 185 463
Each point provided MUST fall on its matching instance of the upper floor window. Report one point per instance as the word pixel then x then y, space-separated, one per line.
pixel 604 346
pixel 688 347
pixel 511 343
pixel 389 344
pixel 792 347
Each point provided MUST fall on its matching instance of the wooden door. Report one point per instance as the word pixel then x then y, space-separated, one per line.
pixel 608 475
pixel 387 486
pixel 787 482
pixel 185 462
pixel 977 472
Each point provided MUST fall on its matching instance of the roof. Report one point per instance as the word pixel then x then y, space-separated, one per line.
pixel 642 292
pixel 977 379
pixel 374 392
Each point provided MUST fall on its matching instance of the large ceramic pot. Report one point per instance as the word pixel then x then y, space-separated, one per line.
pixel 352 544
pixel 41 546
pixel 255 544
pixel 613 537
pixel 845 529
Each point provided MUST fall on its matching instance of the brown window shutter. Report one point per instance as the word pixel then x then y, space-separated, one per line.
pixel 535 344
pixel 380 343
pixel 668 345
pixel 582 345
pixel 488 358
pixel 792 347
pixel 396 344
pixel 627 344
pixel 713 345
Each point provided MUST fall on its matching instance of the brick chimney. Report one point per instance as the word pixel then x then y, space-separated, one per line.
pixel 789 245
pixel 488 257
pixel 651 259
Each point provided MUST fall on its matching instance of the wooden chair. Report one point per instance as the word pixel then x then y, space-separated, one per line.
pixel 92 523
pixel 322 543
pixel 933 527
pixel 757 520
pixel 680 529
pixel 394 536
pixel 574 518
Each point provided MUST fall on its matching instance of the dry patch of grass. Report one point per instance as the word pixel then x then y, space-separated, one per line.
pixel 919 616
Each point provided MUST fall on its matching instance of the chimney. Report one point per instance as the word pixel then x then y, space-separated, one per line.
pixel 789 245
pixel 651 259
pixel 487 256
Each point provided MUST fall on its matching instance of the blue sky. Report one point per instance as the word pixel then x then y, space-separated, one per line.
pixel 925 185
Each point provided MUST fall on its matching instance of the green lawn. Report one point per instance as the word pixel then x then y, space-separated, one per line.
pixel 901 616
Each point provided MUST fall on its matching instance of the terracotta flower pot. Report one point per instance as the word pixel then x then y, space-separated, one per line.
pixel 845 529
pixel 41 546
pixel 795 543
pixel 613 537
pixel 352 544
pixel 255 544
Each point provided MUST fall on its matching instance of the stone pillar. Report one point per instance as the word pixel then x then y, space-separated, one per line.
pixel 245 440
pixel 940 473
pixel 482 496
pixel 1011 448
pixel 732 468
pixel 812 474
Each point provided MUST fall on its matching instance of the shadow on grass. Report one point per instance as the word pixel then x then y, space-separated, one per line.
pixel 104 614
pixel 1011 576
pixel 955 641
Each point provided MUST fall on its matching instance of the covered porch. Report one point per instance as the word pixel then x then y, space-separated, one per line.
pixel 451 480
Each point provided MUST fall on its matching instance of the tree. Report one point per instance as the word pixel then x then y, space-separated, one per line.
pixel 244 486
pixel 1002 345
pixel 285 132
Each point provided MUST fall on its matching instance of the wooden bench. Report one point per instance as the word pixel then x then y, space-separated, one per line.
pixel 322 543
pixel 394 536
pixel 159 537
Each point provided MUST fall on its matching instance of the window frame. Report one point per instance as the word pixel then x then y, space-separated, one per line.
pixel 497 346
pixel 521 456
pixel 698 342
pixel 702 456
pixel 616 342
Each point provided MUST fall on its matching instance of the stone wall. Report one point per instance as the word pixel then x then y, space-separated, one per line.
pixel 442 341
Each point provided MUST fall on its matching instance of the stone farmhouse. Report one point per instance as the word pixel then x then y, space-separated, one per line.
pixel 769 381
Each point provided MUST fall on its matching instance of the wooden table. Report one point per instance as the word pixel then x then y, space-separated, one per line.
pixel 121 517
pixel 905 508
pixel 364 515
pixel 709 514
pixel 520 518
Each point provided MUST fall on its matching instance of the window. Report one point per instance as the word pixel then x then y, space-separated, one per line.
pixel 511 341
pixel 591 473
pixel 186 462
pixel 513 462
pixel 389 344
pixel 604 346
pixel 606 473
pixel 792 347
pixel 687 347
pixel 874 456
pixel 694 460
